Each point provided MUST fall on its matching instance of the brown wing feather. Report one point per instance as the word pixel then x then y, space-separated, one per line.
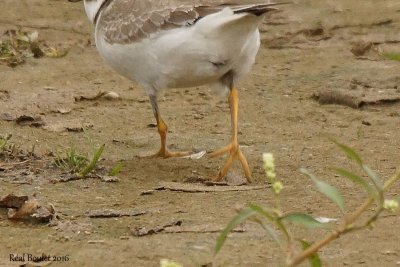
pixel 127 21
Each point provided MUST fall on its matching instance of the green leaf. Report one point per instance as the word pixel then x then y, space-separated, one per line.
pixel 328 190
pixel 303 219
pixel 242 216
pixel 270 231
pixel 262 212
pixel 314 259
pixel 355 179
pixel 374 177
pixel 376 181
pixel 350 153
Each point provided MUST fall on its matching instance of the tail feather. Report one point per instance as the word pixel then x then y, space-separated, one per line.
pixel 256 10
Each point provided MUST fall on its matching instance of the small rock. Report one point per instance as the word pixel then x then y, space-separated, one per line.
pixel 30 121
pixel 64 110
pixel 111 96
pixel 360 48
pixel 6 117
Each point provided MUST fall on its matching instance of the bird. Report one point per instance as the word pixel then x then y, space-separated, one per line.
pixel 164 44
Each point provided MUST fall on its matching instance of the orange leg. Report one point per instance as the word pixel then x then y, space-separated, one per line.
pixel 233 146
pixel 162 130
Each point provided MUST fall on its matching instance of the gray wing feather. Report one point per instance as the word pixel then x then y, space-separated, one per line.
pixel 127 21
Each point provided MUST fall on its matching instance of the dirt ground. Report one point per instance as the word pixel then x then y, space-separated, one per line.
pixel 305 50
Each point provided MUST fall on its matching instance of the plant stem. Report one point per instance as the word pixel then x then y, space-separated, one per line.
pixel 342 228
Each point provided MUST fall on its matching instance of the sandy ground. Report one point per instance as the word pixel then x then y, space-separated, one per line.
pixel 305 49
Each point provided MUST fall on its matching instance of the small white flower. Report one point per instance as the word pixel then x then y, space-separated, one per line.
pixel 270 174
pixel 391 205
pixel 269 166
pixel 268 159
pixel 277 186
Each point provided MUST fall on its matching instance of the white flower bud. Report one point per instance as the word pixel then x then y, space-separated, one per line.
pixel 277 186
pixel 268 159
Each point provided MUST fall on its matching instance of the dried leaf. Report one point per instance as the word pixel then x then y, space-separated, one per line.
pixel 28 208
pixel 26 120
pixel 12 201
pixel 45 213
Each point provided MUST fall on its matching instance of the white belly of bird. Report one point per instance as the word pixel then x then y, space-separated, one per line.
pixel 184 57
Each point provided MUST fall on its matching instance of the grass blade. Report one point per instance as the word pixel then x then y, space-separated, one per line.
pixel 350 153
pixel 328 190
pixel 314 259
pixel 242 216
pixel 116 169
pixel 355 179
pixel 93 162
pixel 303 219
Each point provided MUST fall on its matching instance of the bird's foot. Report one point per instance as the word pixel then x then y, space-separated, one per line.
pixel 234 153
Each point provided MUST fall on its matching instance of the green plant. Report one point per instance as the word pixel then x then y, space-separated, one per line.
pixel 18 45
pixel 116 169
pixel 273 219
pixel 8 149
pixel 4 141
pixel 78 164
pixel 392 56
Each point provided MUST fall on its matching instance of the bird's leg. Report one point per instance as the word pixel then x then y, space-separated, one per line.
pixel 162 130
pixel 233 146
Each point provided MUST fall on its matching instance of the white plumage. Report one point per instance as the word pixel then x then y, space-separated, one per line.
pixel 187 56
